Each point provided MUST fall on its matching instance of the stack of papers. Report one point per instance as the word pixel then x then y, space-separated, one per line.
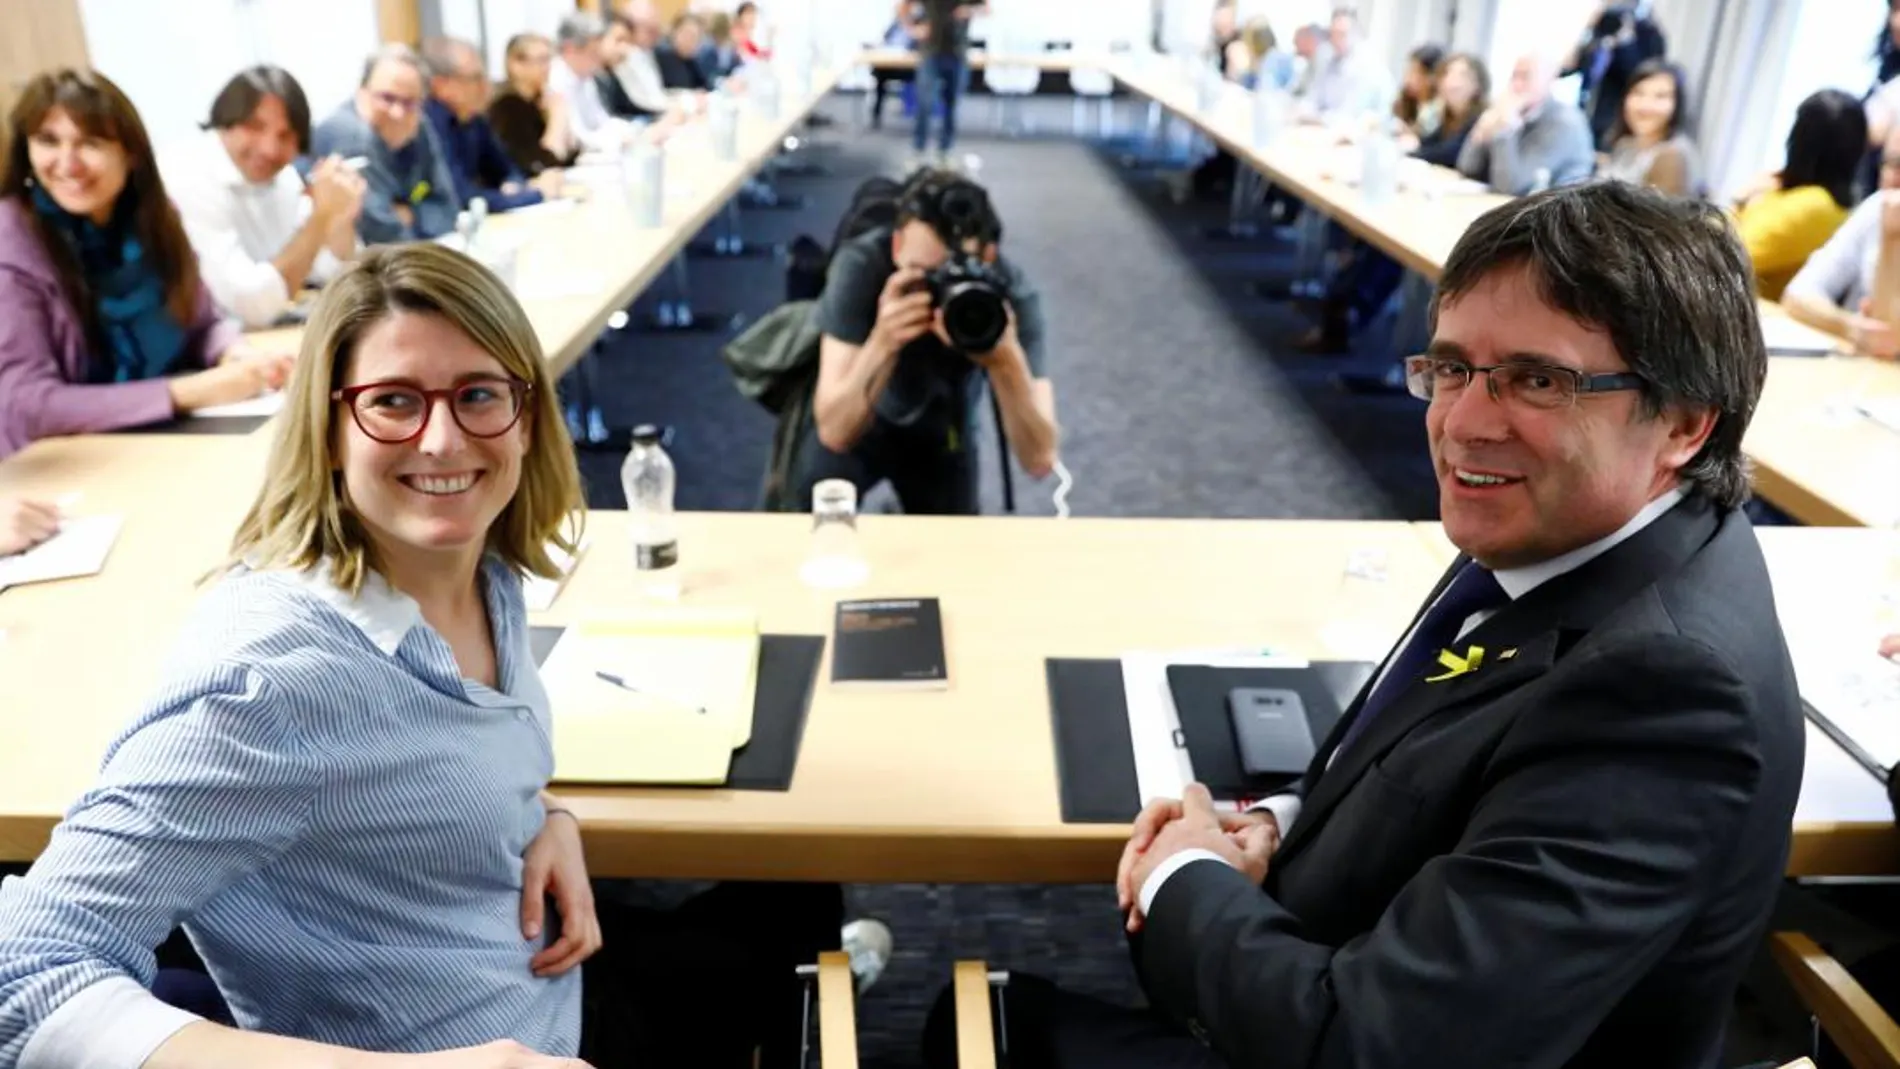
pixel 80 548
pixel 266 405
pixel 663 696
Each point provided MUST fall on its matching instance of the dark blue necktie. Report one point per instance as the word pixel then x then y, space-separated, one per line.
pixel 1474 589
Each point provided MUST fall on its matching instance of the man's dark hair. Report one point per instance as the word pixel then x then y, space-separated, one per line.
pixel 1679 118
pixel 744 9
pixel 247 89
pixel 950 204
pixel 1826 145
pixel 1664 277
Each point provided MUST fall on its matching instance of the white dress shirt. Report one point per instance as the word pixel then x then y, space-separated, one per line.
pixel 1516 582
pixel 587 115
pixel 237 227
pixel 1347 86
pixel 639 74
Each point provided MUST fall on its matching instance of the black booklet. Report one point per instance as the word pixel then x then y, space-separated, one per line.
pixel 889 642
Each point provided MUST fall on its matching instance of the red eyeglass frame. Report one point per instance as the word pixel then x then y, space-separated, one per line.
pixel 347 396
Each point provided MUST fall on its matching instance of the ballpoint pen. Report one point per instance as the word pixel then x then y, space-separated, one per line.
pixel 626 686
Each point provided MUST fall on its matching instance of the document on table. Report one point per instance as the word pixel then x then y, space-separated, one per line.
pixel 80 548
pixel 1853 693
pixel 1786 337
pixel 660 697
pixel 268 404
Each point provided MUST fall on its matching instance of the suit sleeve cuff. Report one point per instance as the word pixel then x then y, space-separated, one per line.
pixel 1285 809
pixel 114 1024
pixel 1152 885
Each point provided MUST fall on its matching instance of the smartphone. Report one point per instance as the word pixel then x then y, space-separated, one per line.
pixel 1271 733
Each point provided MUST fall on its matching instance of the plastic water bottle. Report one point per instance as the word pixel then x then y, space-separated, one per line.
pixel 1379 177
pixel 1270 106
pixel 647 477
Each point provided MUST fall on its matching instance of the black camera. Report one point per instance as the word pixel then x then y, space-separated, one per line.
pixel 974 297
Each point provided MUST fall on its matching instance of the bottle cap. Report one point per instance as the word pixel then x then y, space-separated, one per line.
pixel 646 434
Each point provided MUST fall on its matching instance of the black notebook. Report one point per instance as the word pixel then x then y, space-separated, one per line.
pixel 889 642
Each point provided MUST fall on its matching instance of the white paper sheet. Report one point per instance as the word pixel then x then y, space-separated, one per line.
pixel 80 548
pixel 266 405
pixel 1787 337
pixel 1882 410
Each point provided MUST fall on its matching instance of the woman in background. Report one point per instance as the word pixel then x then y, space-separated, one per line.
pixel 1256 56
pixel 1790 213
pixel 104 322
pixel 1648 145
pixel 1417 107
pixel 1461 92
pixel 745 34
pixel 529 119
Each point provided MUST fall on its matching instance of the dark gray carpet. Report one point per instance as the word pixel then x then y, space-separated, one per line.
pixel 1177 394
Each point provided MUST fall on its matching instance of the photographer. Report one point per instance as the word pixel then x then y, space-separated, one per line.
pixel 1620 38
pixel 915 321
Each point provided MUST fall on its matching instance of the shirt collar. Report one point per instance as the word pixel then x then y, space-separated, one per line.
pixel 1518 582
pixel 384 614
pixel 223 171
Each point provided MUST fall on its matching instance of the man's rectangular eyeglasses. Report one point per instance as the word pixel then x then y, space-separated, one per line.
pixel 1528 384
pixel 397 412
pixel 395 103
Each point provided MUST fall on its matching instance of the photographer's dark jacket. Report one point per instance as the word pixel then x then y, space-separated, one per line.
pixel 935 391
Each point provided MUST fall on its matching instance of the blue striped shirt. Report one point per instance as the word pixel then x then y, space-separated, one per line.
pixel 335 816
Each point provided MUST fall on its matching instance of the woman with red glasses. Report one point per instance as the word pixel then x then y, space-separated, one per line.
pixel 339 790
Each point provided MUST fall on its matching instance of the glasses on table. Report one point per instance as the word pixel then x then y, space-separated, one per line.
pixel 1530 384
pixel 396 412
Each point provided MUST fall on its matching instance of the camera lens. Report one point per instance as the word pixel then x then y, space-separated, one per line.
pixel 975 316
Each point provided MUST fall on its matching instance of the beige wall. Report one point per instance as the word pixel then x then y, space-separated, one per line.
pixel 400 21
pixel 38 35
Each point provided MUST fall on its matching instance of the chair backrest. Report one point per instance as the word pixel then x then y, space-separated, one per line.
pixel 1847 1013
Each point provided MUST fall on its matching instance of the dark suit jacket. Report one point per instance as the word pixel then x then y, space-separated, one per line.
pixel 614 96
pixel 1564 858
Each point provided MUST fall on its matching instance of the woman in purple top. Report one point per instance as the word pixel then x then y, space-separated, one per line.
pixel 107 324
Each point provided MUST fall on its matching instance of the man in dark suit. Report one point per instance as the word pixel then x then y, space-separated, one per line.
pixel 1550 830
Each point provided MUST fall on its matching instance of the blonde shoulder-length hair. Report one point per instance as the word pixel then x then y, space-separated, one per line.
pixel 301 517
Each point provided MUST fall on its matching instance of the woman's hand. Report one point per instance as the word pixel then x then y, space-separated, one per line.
pixel 555 866
pixel 25 523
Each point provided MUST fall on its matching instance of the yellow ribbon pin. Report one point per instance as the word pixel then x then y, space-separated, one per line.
pixel 420 193
pixel 1455 665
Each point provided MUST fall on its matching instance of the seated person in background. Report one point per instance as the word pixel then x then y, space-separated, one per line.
pixel 616 54
pixel 1568 854
pixel 574 77
pixel 411 187
pixel 1620 37
pixel 1417 104
pixel 1650 144
pixel 1348 83
pixel 458 94
pixel 1308 52
pixel 745 34
pixel 1256 56
pixel 895 398
pixel 680 70
pixel 897 36
pixel 720 56
pixel 262 232
pixel 634 66
pixel 369 643
pixel 1527 141
pixel 1839 289
pixel 83 210
pixel 25 523
pixel 531 121
pixel 1461 91
pixel 1224 36
pixel 1790 213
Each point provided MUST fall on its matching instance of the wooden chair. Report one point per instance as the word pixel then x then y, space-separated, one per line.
pixel 837 1012
pixel 1849 1016
pixel 974 985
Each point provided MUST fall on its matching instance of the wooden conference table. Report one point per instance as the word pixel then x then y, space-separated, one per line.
pixel 958 785
pixel 1815 457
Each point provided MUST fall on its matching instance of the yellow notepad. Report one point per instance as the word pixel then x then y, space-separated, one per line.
pixel 660 697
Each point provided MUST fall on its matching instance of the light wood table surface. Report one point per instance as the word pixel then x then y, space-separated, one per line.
pixel 1843 823
pixel 1816 455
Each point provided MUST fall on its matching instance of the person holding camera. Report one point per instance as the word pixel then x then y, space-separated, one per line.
pixel 916 320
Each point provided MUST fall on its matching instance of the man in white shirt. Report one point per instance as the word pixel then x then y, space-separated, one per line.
pixel 578 60
pixel 638 69
pixel 260 230
pixel 1345 82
